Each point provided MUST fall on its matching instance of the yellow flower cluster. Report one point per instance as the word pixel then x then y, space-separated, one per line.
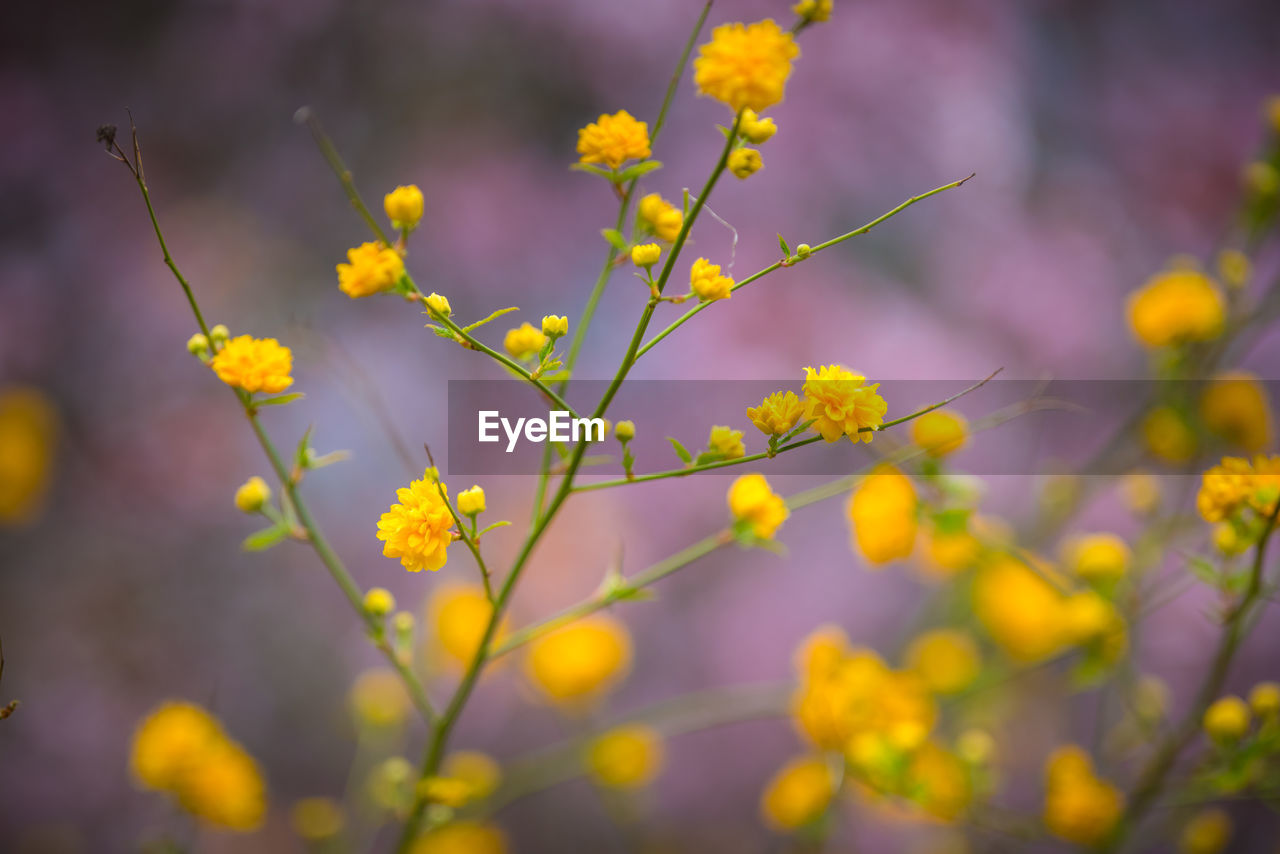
pixel 417 529
pixel 660 217
pixel 751 500
pixel 627 757
pixel 524 342
pixel 576 665
pixel 254 364
pixel 458 615
pixel 745 65
pixel 613 140
pixel 181 749
pixel 745 162
pixel 403 206
pixel 777 413
pixel 841 403
pixel 1237 483
pixel 1235 407
pixel 371 268
pixel 28 434
pixel 707 282
pixel 726 442
pixel 882 514
pixel 940 433
pixel 1078 806
pixel 1176 307
pixel 798 794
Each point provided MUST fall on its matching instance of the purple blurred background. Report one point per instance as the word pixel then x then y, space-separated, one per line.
pixel 1105 136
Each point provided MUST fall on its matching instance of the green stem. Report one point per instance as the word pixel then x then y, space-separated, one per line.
pixel 331 156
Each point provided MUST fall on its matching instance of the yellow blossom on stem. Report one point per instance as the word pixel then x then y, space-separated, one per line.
pixel 174 736
pixel 755 129
pixel 1097 557
pixel 645 254
pixel 1175 307
pixel 471 501
pixel 660 217
pixel 798 794
pixel 813 10
pixel 1168 435
pixel 404 206
pixel 577 664
pixel 613 140
pixel 1235 406
pixel 378 698
pixel 745 65
pixel 882 513
pixel 946 659
pixel 726 442
pixel 458 614
pixel 707 282
pixel 1141 492
pixel 1079 807
pixel 554 326
pixel 478 770
pixel 937 781
pixel 254 364
pixel 624 431
pixel 745 162
pixel 627 757
pixel 1227 719
pixel 1264 699
pixel 751 500
pixel 947 553
pixel 379 602
pixel 524 342
pixel 1021 611
pixel 777 413
pixel 439 304
pixel 940 433
pixel 252 495
pixel 225 789
pixel 417 529
pixel 1237 483
pixel 1208 832
pixel 841 403
pixel 371 268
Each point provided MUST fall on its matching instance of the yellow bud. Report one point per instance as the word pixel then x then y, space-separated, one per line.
pixel 1264 699
pixel 755 129
pixel 555 327
pixel 1208 832
pixel 1097 557
pixel 745 162
pixel 252 495
pixel 404 206
pixel 625 431
pixel 379 602
pixel 1234 268
pixel 402 622
pixel 471 501
pixel 645 254
pixel 940 433
pixel 1227 720
pixel 317 819
pixel 439 304
pixel 198 345
pixel 219 334
pixel 628 757
pixel 975 746
pixel 804 250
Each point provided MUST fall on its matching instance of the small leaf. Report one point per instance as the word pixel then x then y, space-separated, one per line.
pixel 782 244
pixel 441 331
pixel 487 528
pixel 1203 570
pixel 304 445
pixel 493 316
pixel 708 457
pixel 633 172
pixel 327 459
pixel 615 238
pixel 279 400
pixel 594 170
pixel 265 539
pixel 681 451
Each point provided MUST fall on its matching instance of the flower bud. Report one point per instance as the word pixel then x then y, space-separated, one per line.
pixel 625 431
pixel 219 334
pixel 555 327
pixel 1264 699
pixel 198 345
pixel 1227 720
pixel 253 495
pixel 803 250
pixel 471 501
pixel 645 254
pixel 403 206
pixel 755 129
pixel 745 162
pixel 438 304
pixel 379 602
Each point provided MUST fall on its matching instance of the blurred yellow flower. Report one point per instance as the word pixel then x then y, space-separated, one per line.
pixel 471 501
pixel 28 440
pixel 1234 267
pixel 613 140
pixel 726 442
pixel 752 500
pixel 1236 483
pixel 254 364
pixel 252 495
pixel 417 529
pixel 813 10
pixel 1176 307
pixel 1264 699
pixel 1168 435
pixel 378 698
pixel 524 342
pixel 947 660
pixel 403 206
pixel 1235 407
pixel 947 553
pixel 175 735
pixel 458 615
pixel 940 432
pixel 317 819
pixel 882 513
pixel 777 413
pixel 1141 492
pixel 627 757
pixel 798 794
pixel 1227 719
pixel 378 602
pixel 1097 557
pixel 745 65
pixel 707 283
pixel 745 162
pixel 1208 832
pixel 225 788
pixel 938 782
pixel 1079 807
pixel 577 664
pixel 661 217
pixel 461 837
pixel 371 268
pixel 478 770
pixel 1021 611
pixel 840 403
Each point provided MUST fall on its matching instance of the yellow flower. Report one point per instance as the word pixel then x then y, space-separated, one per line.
pixel 254 364
pixel 627 757
pixel 1078 807
pixel 371 268
pixel 1141 492
pixel 471 501
pixel 842 404
pixel 1227 719
pixel 1236 483
pixel 777 413
pixel 707 282
pixel 225 789
pixel 219 334
pixel 813 10
pixel 1208 832
pixel 755 129
pixel 751 500
pixel 1021 611
pixel 417 529
pixel 171 738
pixel 613 140
pixel 1235 407
pixel 198 345
pixel 947 553
pixel 798 794
pixel 458 614
pixel 938 782
pixel 1168 436
pixel 378 698
pixel 461 837
pixel 28 436
pixel 554 326
pixel 577 664
pixel 661 217
pixel 449 791
pixel 1097 557
pixel 745 162
pixel 624 431
pixel 1264 699
pixel 317 819
pixel 378 602
pixel 439 304
pixel 882 513
pixel 1175 307
pixel 524 342
pixel 478 770
pixel 645 254
pixel 745 65
pixel 1087 617
pixel 403 206
pixel 940 433
pixel 726 442
pixel 252 495
pixel 946 659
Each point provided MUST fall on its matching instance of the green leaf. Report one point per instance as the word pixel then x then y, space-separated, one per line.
pixel 594 170
pixel 279 400
pixel 708 457
pixel 681 451
pixel 487 528
pixel 633 172
pixel 615 238
pixel 782 244
pixel 491 317
pixel 441 331
pixel 265 539
pixel 1204 570
pixel 304 446
pixel 328 459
